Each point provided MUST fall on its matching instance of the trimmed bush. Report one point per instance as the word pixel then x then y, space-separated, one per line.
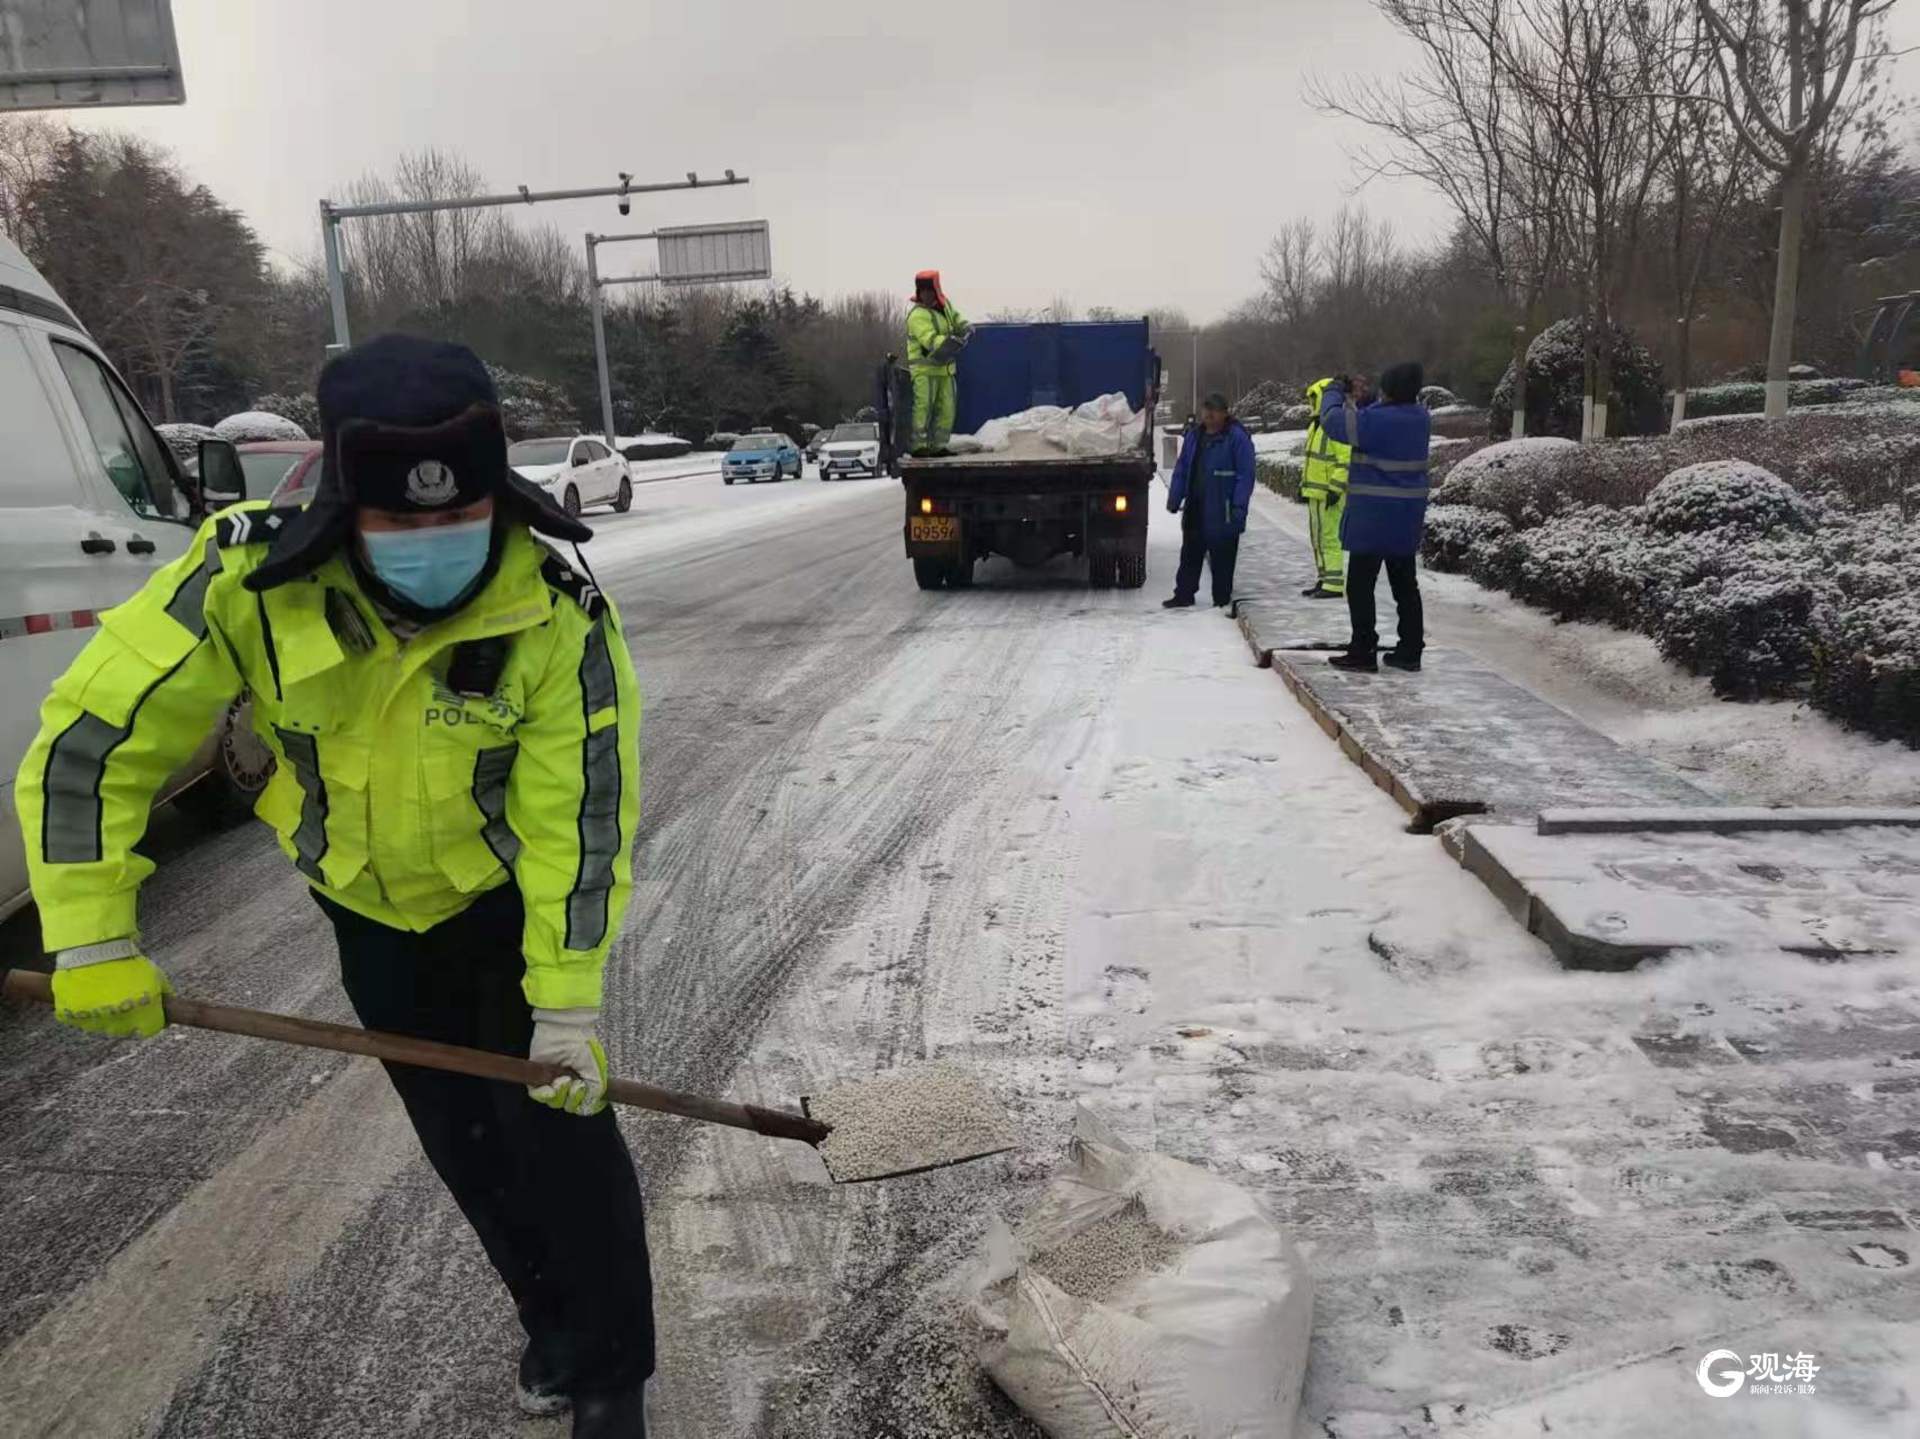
pixel 1520 479
pixel 1280 473
pixel 184 440
pixel 254 426
pixel 1754 631
pixel 1726 495
pixel 1437 397
pixel 1746 397
pixel 303 410
pixel 1556 378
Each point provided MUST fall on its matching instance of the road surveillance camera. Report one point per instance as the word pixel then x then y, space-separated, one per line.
pixel 626 205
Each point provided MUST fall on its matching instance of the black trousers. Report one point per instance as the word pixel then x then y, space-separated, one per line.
pixel 1363 573
pixel 1219 558
pixel 552 1196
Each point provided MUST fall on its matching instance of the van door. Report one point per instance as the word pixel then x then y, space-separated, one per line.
pixel 55 574
pixel 124 465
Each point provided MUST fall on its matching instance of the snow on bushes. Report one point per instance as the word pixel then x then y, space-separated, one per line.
pixel 1765 590
pixel 1743 397
pixel 1518 478
pixel 1556 383
pixel 184 440
pixel 1437 397
pixel 303 410
pixel 1725 495
pixel 254 426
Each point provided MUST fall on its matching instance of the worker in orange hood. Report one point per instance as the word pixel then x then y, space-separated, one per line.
pixel 936 331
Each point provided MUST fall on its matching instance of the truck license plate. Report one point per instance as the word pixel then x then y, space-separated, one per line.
pixel 933 529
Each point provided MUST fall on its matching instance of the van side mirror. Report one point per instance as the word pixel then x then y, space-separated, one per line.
pixel 222 480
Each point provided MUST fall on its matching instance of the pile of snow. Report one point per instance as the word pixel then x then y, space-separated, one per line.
pixel 1146 1296
pixel 255 426
pixel 184 440
pixel 1105 426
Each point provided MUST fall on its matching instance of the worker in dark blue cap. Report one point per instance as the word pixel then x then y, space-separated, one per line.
pixel 455 721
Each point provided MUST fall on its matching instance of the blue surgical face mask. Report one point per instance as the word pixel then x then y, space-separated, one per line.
pixel 431 567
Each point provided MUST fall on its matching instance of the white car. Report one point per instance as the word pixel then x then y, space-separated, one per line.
pixel 850 450
pixel 91 504
pixel 577 472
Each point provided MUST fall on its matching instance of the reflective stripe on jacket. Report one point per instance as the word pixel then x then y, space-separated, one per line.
pixel 926 329
pixel 1323 473
pixel 1386 507
pixel 393 795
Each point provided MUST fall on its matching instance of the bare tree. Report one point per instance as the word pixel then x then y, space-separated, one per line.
pixel 1458 124
pixel 1782 70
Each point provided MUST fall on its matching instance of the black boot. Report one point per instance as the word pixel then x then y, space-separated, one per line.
pixel 538 1392
pixel 617 1414
pixel 1356 660
pixel 1318 593
pixel 1312 591
pixel 1408 660
pixel 1176 603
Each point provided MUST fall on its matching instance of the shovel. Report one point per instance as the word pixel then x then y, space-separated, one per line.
pixel 854 1166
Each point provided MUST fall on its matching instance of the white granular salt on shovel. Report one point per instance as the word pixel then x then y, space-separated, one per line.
pixel 921 1117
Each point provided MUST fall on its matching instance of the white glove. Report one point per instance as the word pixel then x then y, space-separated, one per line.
pixel 566 1037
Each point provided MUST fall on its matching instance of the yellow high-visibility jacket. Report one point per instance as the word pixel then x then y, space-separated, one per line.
pixel 396 797
pixel 926 328
pixel 1324 475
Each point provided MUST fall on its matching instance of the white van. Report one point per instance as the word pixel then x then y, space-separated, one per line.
pixel 91 504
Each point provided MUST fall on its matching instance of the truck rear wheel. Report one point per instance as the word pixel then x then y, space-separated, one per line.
pixel 929 574
pixel 1130 569
pixel 1100 567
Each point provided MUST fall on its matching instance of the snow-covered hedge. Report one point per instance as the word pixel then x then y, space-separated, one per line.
pixel 303 410
pixel 1556 379
pixel 1748 397
pixel 719 440
pixel 1764 591
pixel 1280 473
pixel 184 440
pixel 1725 495
pixel 532 407
pixel 1437 397
pixel 254 426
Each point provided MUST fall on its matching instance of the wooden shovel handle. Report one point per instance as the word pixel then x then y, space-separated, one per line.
pixel 24 984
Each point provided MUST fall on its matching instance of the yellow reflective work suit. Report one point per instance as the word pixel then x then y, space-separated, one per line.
pixel 1323 485
pixel 933 391
pixel 397 798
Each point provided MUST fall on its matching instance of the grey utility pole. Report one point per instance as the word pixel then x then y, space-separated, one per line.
pixel 331 215
pixel 689 255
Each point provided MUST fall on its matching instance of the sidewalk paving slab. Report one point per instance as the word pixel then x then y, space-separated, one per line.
pixel 1610 898
pixel 1456 739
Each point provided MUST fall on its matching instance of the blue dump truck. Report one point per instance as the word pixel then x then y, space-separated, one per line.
pixel 963 508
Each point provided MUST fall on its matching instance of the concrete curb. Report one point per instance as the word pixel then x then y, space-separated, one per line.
pixel 1424 811
pixel 1733 819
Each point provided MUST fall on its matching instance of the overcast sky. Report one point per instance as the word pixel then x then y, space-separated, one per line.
pixel 1114 152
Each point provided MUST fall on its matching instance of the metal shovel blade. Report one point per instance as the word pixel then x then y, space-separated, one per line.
pixel 909 1120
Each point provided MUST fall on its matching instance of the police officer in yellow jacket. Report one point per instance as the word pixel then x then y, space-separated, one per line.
pixel 1323 485
pixel 936 333
pixel 456 724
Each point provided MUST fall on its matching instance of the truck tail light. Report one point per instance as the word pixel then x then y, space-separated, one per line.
pixel 936 507
pixel 926 507
pixel 1119 504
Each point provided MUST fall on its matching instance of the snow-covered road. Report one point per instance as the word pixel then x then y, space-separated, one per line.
pixel 1081 843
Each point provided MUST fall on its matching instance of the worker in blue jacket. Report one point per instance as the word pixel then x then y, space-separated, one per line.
pixel 1386 507
pixel 1211 489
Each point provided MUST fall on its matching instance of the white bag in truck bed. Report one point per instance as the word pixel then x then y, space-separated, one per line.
pixel 1207 1338
pixel 1104 426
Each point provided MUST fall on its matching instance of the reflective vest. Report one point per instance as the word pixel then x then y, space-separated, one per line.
pixel 395 796
pixel 1324 474
pixel 1386 507
pixel 926 329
